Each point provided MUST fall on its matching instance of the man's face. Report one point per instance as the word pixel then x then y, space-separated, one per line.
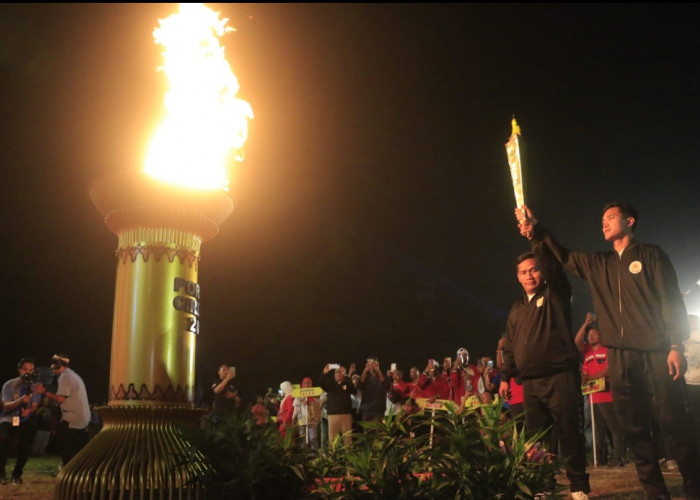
pixel 26 368
pixel 340 374
pixel 593 336
pixel 529 276
pixel 223 371
pixel 306 383
pixel 615 225
pixel 414 373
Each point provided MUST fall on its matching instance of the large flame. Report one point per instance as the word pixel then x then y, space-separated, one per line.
pixel 205 125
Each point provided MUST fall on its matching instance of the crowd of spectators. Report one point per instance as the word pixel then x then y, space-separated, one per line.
pixel 346 397
pixel 343 397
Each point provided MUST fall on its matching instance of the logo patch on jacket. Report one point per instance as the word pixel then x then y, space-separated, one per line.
pixel 636 267
pixel 540 301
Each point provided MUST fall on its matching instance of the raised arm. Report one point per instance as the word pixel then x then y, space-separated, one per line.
pixel 580 344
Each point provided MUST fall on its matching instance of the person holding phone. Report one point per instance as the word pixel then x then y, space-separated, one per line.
pixel 432 384
pixel 462 377
pixel 339 389
pixel 399 391
pixel 486 386
pixel 374 386
pixel 226 399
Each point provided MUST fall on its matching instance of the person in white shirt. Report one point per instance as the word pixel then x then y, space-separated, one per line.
pixel 72 433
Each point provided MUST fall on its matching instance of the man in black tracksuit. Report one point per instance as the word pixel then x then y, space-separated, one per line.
pixel 539 348
pixel 643 322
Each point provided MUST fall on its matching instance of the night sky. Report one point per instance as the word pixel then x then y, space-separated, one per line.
pixel 374 210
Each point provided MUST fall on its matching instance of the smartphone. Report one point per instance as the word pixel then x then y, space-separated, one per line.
pixel 393 367
pixel 232 369
pixel 333 366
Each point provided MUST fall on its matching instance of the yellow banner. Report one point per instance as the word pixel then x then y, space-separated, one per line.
pixel 472 402
pixel 307 392
pixel 438 404
pixel 596 385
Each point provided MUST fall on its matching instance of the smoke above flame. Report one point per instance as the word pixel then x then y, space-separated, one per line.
pixel 206 125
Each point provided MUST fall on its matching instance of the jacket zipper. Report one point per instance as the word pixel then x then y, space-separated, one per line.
pixel 619 295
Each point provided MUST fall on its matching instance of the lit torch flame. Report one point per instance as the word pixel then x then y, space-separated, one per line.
pixel 205 124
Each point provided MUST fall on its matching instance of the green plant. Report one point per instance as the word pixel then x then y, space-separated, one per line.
pixel 250 461
pixel 473 454
pixel 385 461
pixel 479 454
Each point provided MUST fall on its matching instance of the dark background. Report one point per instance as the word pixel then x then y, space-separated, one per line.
pixel 374 210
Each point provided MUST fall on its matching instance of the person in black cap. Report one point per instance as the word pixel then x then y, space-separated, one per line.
pixel 72 433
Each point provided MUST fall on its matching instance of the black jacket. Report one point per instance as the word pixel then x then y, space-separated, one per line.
pixel 374 393
pixel 338 400
pixel 539 341
pixel 636 295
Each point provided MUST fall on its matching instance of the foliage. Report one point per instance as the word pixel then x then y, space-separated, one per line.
pixel 250 461
pixel 386 460
pixel 472 454
pixel 479 454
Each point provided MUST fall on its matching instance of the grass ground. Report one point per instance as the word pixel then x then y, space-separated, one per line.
pixel 39 480
pixel 606 484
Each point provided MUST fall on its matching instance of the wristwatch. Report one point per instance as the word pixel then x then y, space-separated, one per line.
pixel 678 348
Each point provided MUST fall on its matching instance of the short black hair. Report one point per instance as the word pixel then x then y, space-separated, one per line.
pixel 626 209
pixel 592 326
pixel 25 360
pixel 523 257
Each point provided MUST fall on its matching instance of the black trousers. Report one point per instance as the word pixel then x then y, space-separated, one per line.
pixel 70 441
pixel 643 389
pixel 555 401
pixel 25 433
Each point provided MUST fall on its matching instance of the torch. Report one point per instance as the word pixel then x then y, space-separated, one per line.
pixel 515 161
pixel 161 216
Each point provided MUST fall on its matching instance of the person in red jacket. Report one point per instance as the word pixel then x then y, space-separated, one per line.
pixel 286 411
pixel 413 378
pixel 432 384
pixel 399 391
pixel 515 397
pixel 595 365
pixel 463 377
